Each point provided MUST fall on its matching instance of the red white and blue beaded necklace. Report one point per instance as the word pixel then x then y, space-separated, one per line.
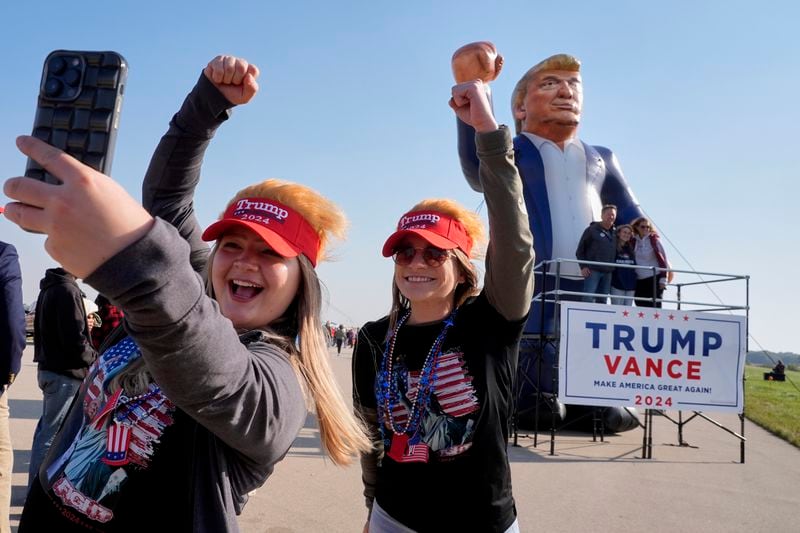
pixel 404 443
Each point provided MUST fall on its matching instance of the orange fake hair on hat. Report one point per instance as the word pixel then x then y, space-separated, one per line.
pixel 458 228
pixel 292 219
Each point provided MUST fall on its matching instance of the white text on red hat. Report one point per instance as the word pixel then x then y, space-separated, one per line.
pixel 418 220
pixel 246 205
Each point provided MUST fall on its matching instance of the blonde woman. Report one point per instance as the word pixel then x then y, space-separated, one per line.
pixel 650 283
pixel 179 419
pixel 434 377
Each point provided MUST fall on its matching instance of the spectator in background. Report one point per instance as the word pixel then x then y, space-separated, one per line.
pixel 623 280
pixel 93 321
pixel 63 348
pixel 110 317
pixel 12 344
pixel 331 333
pixel 339 336
pixel 598 243
pixel 779 368
pixel 649 252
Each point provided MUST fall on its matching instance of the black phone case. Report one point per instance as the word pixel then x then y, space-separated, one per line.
pixel 83 124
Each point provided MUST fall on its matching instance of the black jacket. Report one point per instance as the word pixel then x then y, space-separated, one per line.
pixel 597 244
pixel 12 315
pixel 60 331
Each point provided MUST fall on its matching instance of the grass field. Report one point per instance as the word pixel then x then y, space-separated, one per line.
pixel 774 405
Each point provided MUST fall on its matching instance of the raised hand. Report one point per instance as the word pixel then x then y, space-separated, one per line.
pixel 234 77
pixel 476 61
pixel 88 219
pixel 471 104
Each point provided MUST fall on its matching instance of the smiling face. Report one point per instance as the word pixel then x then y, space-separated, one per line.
pixel 252 283
pixel 643 228
pixel 624 234
pixel 608 216
pixel 429 290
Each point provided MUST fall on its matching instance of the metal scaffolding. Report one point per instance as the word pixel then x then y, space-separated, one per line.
pixel 545 308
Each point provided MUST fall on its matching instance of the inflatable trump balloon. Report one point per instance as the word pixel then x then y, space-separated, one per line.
pixel 566 182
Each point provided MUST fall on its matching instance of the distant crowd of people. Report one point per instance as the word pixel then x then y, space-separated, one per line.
pixel 626 245
pixel 340 335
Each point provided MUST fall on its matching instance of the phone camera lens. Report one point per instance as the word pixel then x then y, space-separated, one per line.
pixel 57 65
pixel 72 77
pixel 52 87
pixel 69 92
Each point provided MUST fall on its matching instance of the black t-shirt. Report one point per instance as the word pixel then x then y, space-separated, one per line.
pixel 466 482
pixel 624 278
pixel 154 480
pixel 156 496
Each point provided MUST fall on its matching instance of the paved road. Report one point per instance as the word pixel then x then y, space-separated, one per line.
pixel 586 486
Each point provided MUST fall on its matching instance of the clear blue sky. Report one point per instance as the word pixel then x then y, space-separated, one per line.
pixel 695 98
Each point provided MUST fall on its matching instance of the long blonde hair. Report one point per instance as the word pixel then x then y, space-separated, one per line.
pixel 343 436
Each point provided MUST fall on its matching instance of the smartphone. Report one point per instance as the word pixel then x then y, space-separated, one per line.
pixel 80 98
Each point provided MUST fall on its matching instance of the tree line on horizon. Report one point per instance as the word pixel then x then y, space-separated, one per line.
pixel 770 358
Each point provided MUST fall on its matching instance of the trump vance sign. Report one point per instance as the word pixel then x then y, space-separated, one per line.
pixel 613 355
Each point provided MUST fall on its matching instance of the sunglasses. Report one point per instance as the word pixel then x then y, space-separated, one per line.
pixel 433 257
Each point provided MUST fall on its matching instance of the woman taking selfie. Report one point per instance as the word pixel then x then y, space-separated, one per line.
pixel 179 419
pixel 434 377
